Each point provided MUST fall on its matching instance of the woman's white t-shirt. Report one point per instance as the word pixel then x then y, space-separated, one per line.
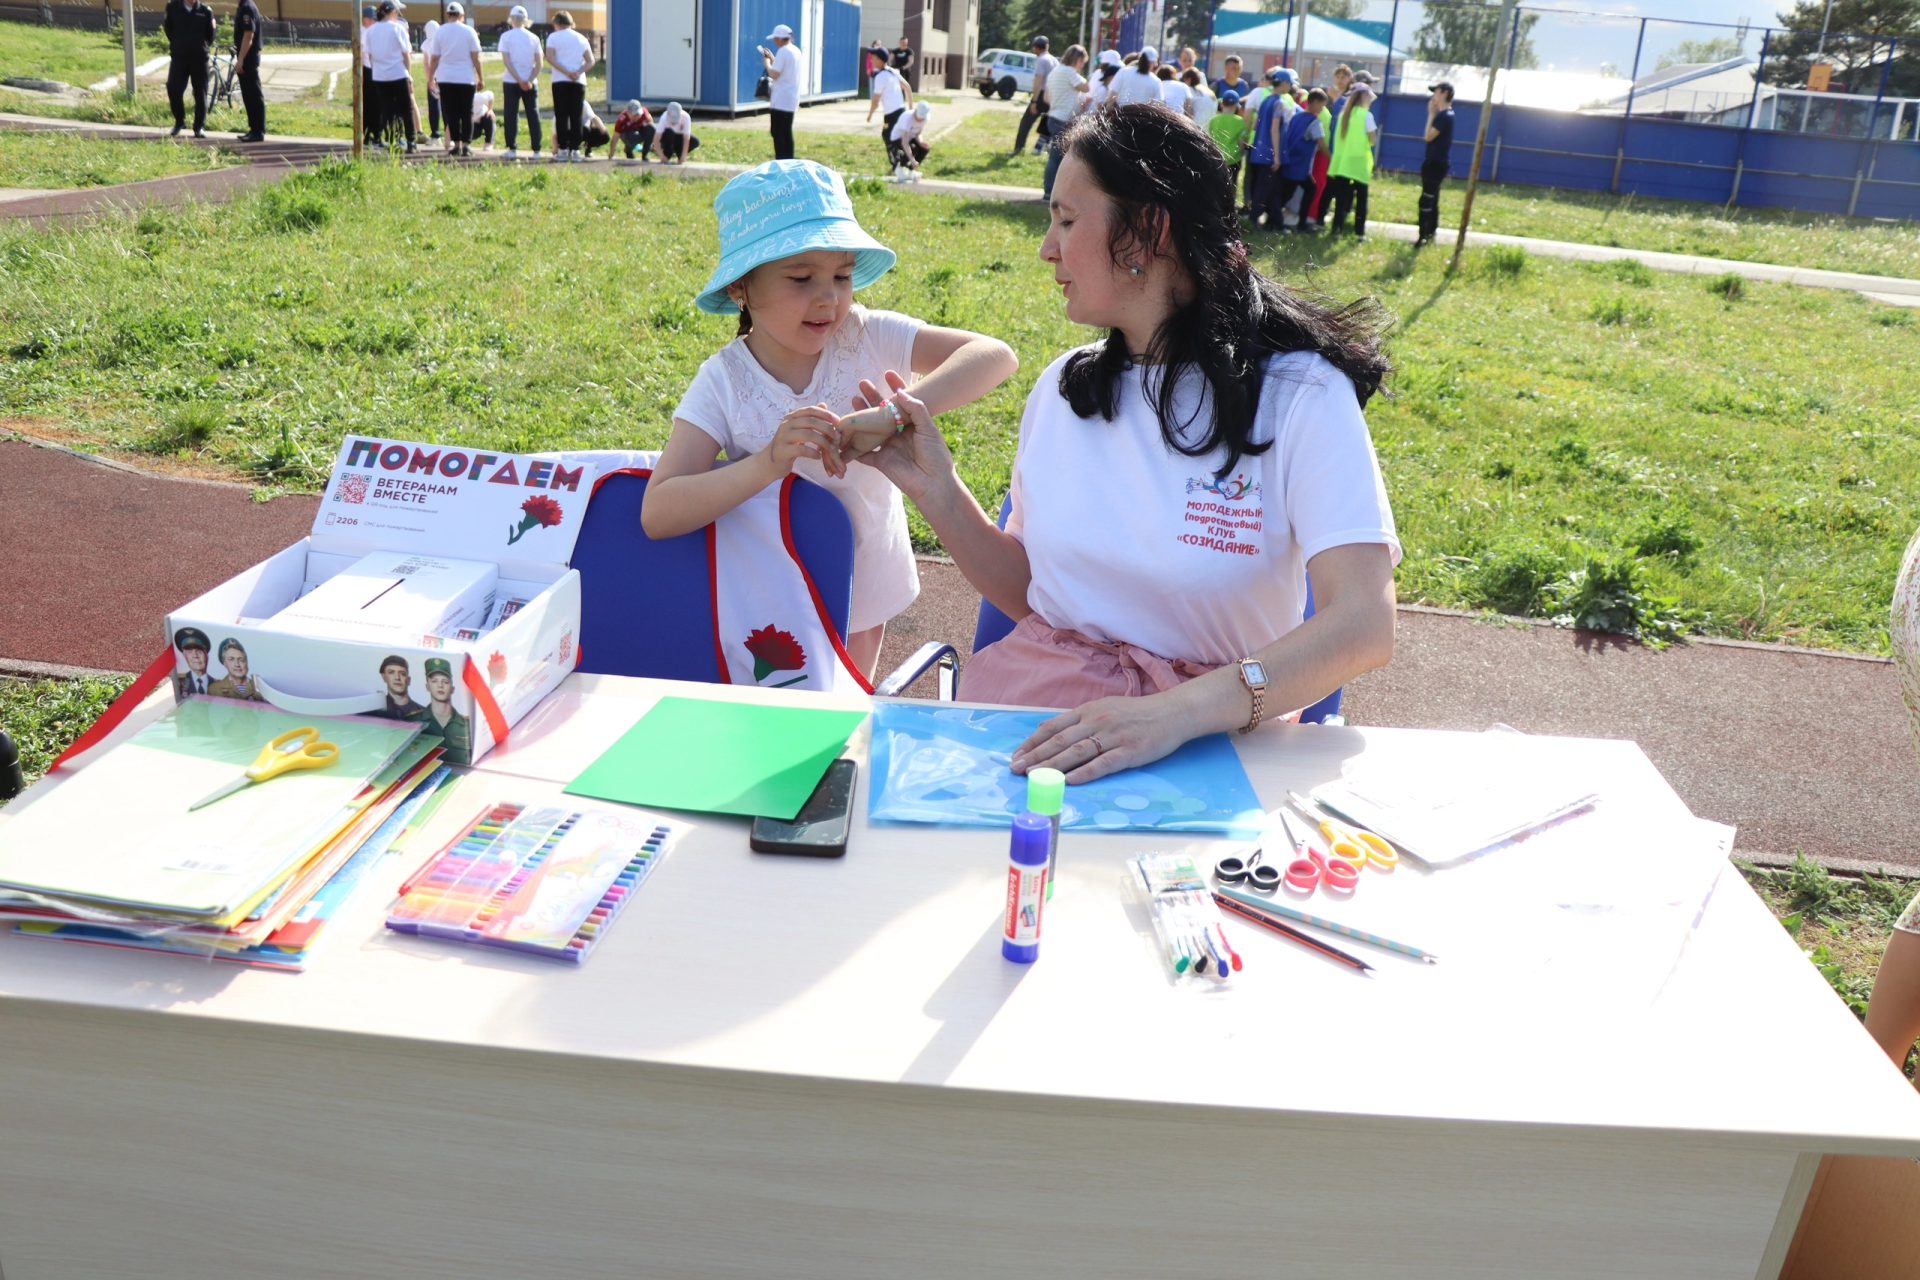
pixel 1132 542
pixel 1205 105
pixel 740 405
pixel 570 51
pixel 785 89
pixel 1175 95
pixel 1135 85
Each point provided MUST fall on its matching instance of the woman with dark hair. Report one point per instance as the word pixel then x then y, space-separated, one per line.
pixel 1176 483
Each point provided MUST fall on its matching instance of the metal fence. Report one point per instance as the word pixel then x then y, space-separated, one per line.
pixel 1739 115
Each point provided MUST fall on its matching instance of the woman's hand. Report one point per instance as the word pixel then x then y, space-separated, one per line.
pixel 1107 736
pixel 813 433
pixel 915 458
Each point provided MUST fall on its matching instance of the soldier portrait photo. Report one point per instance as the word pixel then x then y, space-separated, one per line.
pixel 237 683
pixel 194 648
pixel 398 679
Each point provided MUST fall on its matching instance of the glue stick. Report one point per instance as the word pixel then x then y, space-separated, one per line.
pixel 1026 888
pixel 1046 793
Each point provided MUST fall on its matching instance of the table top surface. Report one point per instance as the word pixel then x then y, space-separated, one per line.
pixel 884 966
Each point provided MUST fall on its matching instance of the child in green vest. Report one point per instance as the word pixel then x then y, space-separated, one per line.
pixel 1351 167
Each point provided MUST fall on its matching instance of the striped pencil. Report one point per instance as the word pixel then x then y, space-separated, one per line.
pixel 1307 917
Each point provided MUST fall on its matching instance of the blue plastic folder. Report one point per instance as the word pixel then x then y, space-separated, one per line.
pixel 949 765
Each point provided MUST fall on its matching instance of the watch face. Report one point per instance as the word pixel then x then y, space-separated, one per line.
pixel 1254 670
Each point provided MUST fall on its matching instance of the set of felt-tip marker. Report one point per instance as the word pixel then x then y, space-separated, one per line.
pixel 1185 920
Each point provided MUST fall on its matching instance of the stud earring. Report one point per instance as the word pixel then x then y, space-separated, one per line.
pixel 1134 270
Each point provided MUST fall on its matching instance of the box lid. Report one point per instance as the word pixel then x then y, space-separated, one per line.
pixel 519 510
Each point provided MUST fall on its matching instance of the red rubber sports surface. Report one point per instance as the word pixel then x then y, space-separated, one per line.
pixel 92 557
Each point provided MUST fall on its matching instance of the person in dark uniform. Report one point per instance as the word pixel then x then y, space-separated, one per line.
pixel 189 25
pixel 1433 169
pixel 441 720
pixel 400 704
pixel 195 648
pixel 247 38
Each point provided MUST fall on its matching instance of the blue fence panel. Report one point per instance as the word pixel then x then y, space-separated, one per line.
pixel 1675 159
pixel 717 41
pixel 840 45
pixel 1133 28
pixel 623 49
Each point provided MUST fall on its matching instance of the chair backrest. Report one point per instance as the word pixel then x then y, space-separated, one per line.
pixel 646 605
pixel 992 625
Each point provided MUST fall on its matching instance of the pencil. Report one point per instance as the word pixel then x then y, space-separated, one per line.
pixel 1359 935
pixel 1288 931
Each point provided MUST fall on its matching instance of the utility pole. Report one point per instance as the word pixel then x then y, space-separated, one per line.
pixel 1480 135
pixel 1825 22
pixel 353 26
pixel 126 38
pixel 1300 44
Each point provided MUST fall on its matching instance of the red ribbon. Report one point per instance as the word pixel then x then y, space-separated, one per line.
pixel 483 699
pixel 143 684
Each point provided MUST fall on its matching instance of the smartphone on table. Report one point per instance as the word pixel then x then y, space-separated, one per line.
pixel 820 828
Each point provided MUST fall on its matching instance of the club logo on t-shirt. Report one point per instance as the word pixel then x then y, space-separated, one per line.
pixel 1233 511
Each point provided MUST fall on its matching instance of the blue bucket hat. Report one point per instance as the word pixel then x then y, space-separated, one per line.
pixel 781 208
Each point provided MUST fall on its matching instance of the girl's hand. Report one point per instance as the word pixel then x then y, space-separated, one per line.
pixel 809 433
pixel 871 423
pixel 1107 736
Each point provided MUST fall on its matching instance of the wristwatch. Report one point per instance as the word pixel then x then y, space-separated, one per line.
pixel 1253 673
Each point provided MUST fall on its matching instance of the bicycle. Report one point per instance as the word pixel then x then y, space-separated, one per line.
pixel 223 80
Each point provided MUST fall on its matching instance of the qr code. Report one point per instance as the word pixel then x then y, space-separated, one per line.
pixel 352 489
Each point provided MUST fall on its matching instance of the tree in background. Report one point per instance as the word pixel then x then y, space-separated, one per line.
pixel 1463 34
pixel 996 24
pixel 1319 8
pixel 1057 20
pixel 1856 45
pixel 1700 52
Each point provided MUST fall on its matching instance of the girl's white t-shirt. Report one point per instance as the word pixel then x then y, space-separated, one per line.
pixel 454 44
pixel 1132 542
pixel 740 405
pixel 1175 95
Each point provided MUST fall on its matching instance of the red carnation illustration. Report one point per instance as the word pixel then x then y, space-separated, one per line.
pixel 776 651
pixel 541 511
pixel 496 668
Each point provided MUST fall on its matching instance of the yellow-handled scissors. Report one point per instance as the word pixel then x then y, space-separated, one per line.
pixel 295 749
pixel 1349 843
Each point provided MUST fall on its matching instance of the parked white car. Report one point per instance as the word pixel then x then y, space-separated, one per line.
pixel 1003 71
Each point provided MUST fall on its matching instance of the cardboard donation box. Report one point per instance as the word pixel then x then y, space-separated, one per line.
pixel 434 588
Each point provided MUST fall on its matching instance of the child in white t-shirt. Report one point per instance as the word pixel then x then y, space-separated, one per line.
pixel 775 400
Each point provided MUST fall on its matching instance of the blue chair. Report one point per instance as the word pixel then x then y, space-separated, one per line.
pixel 994 625
pixel 636 592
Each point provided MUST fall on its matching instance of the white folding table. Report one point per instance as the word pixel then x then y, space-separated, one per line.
pixel 793 1067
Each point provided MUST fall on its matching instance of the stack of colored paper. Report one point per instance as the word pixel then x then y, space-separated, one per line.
pixel 114 853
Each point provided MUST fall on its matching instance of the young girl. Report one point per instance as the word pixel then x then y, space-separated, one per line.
pixel 791 255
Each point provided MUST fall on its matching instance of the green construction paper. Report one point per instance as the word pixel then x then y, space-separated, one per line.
pixel 720 757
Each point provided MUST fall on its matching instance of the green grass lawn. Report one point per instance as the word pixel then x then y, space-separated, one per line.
pixel 69 55
pixel 977 150
pixel 1606 444
pixel 1783 236
pixel 57 160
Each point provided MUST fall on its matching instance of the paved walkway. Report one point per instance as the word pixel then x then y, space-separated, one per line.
pixel 1801 749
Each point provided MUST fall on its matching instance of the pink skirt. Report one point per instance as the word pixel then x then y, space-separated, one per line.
pixel 1041 666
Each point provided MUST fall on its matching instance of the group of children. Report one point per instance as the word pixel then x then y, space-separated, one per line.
pixel 1303 148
